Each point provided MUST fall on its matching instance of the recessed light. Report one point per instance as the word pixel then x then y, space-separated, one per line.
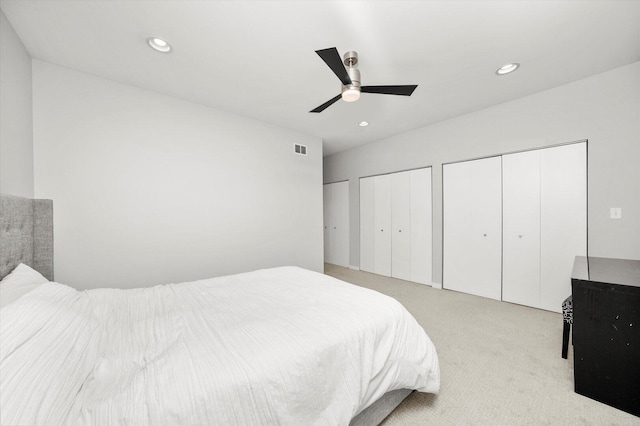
pixel 506 69
pixel 363 124
pixel 159 44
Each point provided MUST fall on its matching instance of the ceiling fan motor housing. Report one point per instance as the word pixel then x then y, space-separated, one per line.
pixel 352 90
pixel 351 62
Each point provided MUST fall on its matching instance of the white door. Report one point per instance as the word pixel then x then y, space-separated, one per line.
pixel 401 225
pixel 382 220
pixel 367 225
pixel 521 228
pixel 472 227
pixel 563 219
pixel 339 214
pixel 326 207
pixel 421 226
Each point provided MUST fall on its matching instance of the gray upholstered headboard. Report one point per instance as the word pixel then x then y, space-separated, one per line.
pixel 26 234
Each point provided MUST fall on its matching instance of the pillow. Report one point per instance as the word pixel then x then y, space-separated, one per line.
pixel 20 281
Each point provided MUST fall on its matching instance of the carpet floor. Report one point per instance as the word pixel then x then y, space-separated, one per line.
pixel 500 363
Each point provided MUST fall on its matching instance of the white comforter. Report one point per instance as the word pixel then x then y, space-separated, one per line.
pixel 277 346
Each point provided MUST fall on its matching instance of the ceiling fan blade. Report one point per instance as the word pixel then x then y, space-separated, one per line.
pixel 390 90
pixel 327 104
pixel 332 58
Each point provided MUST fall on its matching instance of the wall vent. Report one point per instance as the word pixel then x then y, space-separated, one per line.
pixel 299 149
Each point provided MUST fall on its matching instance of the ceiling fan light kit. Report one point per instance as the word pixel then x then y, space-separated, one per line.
pixel 346 70
pixel 350 93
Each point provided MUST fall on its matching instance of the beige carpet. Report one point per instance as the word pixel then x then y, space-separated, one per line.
pixel 500 363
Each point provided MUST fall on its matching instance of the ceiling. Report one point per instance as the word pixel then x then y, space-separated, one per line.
pixel 256 58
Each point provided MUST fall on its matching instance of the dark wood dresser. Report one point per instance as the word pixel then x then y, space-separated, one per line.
pixel 606 331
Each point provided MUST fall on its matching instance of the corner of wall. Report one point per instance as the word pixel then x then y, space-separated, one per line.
pixel 16 114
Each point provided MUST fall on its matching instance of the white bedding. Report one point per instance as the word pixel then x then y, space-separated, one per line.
pixel 276 346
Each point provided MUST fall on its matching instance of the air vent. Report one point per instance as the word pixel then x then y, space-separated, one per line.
pixel 300 149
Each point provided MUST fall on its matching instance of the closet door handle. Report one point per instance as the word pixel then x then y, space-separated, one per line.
pixel 484 235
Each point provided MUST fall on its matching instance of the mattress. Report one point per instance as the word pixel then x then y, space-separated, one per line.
pixel 276 346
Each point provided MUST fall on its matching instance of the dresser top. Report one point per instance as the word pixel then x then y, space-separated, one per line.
pixel 605 270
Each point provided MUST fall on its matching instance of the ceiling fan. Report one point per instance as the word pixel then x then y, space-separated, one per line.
pixel 350 78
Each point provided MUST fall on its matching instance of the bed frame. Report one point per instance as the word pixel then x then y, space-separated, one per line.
pixel 379 410
pixel 26 233
pixel 26 236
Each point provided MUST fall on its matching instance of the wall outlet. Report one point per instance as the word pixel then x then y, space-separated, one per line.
pixel 615 213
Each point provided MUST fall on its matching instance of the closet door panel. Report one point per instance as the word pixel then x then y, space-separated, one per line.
pixel 472 227
pixel 401 225
pixel 563 214
pixel 382 220
pixel 326 207
pixel 367 225
pixel 421 226
pixel 521 228
pixel 340 223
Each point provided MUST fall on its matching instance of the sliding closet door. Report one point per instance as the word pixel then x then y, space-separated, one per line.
pixel 521 228
pixel 544 225
pixel 395 225
pixel 367 225
pixel 472 227
pixel 421 225
pixel 336 223
pixel 326 206
pixel 563 218
pixel 382 220
pixel 401 225
pixel 339 219
pixel 544 217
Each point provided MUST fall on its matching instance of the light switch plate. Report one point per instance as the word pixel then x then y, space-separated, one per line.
pixel 615 213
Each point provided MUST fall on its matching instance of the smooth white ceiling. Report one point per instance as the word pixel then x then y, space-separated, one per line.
pixel 257 59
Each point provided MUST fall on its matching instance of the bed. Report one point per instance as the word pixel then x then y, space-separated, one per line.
pixel 274 346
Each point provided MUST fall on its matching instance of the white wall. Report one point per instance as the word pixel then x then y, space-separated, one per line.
pixel 151 189
pixel 16 125
pixel 605 109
